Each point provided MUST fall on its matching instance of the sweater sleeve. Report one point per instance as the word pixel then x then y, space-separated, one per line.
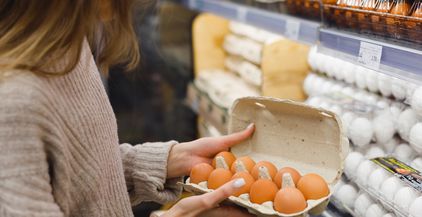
pixel 145 167
pixel 25 189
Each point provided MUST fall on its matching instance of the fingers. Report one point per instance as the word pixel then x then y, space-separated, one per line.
pixel 235 138
pixel 192 206
pixel 212 199
pixel 226 211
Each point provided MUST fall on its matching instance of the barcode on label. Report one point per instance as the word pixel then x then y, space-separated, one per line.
pixel 370 55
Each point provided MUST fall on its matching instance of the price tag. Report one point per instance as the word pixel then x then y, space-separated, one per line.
pixel 241 14
pixel 292 29
pixel 370 55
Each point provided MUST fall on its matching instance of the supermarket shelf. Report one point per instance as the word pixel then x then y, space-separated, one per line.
pixel 291 27
pixel 398 61
pixel 202 105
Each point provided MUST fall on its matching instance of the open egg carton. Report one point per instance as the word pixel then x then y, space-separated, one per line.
pixel 287 134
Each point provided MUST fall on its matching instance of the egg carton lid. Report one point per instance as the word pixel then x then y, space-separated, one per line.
pixel 291 134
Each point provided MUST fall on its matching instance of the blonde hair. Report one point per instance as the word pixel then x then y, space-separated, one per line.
pixel 34 35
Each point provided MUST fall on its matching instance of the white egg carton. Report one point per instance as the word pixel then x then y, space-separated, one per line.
pixel 287 134
pixel 244 47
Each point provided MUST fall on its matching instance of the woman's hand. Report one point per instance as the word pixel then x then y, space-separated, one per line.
pixel 206 205
pixel 184 156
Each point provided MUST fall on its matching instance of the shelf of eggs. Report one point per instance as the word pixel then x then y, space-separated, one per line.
pixel 379 121
pixel 397 19
pixel 214 90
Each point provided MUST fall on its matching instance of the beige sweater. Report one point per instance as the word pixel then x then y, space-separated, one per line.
pixel 59 151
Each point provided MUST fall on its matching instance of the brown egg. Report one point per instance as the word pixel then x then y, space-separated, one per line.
pixel 263 190
pixel 289 200
pixel 219 177
pixel 279 176
pixel 272 170
pixel 200 173
pixel 247 163
pixel 313 186
pixel 228 157
pixel 249 180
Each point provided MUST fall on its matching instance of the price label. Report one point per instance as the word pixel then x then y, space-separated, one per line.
pixel 292 29
pixel 370 55
pixel 241 14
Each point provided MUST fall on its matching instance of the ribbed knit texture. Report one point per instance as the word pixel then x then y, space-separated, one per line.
pixel 59 151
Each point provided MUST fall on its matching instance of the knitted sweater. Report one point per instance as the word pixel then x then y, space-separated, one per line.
pixel 59 151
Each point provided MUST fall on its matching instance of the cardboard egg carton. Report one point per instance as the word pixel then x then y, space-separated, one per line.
pixel 290 134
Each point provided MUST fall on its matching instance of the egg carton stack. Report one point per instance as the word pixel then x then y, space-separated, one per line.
pixel 382 116
pixel 242 75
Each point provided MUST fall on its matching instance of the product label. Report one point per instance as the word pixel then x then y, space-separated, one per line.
pixel 370 55
pixel 292 29
pixel 407 174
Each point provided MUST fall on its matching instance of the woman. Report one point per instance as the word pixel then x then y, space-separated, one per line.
pixel 59 152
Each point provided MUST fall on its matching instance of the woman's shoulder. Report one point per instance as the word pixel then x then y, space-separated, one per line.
pixel 20 88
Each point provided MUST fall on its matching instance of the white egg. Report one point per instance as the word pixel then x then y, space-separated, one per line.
pixel 390 187
pixel 404 197
pixel 371 98
pixel 399 89
pixel 415 137
pixel 329 66
pixel 349 76
pixel 364 170
pixel 314 101
pixel 416 101
pixel 360 95
pixel 320 61
pixel 336 109
pixel 375 210
pixel 346 119
pixel 391 145
pixel 384 128
pixel 371 78
pixel 417 164
pixel 415 209
pixel 374 152
pixel 382 103
pixel 352 162
pixel 325 105
pixel 377 177
pixel 361 131
pixel 336 88
pixel 396 110
pixel 362 202
pixel 389 215
pixel 348 91
pixel 384 84
pixel 347 195
pixel 308 83
pixel 311 54
pixel 316 85
pixel 340 66
pixel 410 89
pixel 407 119
pixel 326 87
pixel 341 73
pixel 337 186
pixel 404 153
pixel 360 78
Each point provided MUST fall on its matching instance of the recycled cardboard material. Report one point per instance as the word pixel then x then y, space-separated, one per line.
pixel 288 134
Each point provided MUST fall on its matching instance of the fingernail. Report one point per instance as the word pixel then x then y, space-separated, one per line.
pixel 250 126
pixel 239 183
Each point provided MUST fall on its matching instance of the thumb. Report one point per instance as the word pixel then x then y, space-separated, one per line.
pixel 230 140
pixel 192 206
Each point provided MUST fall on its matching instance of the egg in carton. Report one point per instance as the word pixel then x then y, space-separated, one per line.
pixel 287 134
